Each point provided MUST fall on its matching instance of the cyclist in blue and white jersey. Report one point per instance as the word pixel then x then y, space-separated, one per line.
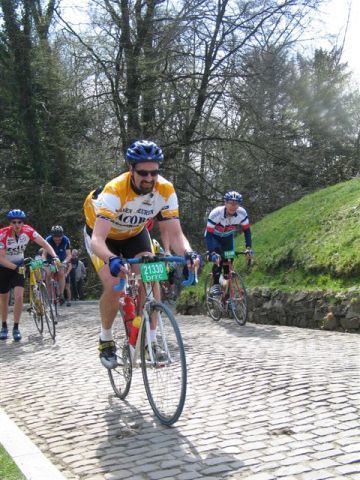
pixel 222 224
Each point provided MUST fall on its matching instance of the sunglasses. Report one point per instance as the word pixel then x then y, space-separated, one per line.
pixel 14 222
pixel 145 173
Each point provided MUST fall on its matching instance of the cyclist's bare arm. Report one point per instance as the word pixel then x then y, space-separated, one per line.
pixel 165 240
pixel 5 262
pixel 98 239
pixel 45 245
pixel 67 262
pixel 171 232
pixel 68 256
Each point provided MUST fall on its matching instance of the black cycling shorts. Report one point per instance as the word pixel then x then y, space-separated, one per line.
pixel 10 279
pixel 130 247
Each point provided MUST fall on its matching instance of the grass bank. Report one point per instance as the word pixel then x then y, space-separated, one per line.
pixel 8 468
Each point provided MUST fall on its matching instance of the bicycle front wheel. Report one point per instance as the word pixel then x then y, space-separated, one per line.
pixel 238 302
pixel 48 311
pixel 121 376
pixel 213 304
pixel 38 319
pixel 163 365
pixel 55 298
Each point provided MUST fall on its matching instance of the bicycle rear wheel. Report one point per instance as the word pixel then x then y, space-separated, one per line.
pixel 238 302
pixel 121 376
pixel 48 311
pixel 164 370
pixel 213 304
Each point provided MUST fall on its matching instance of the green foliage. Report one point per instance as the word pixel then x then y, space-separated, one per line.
pixel 8 469
pixel 313 243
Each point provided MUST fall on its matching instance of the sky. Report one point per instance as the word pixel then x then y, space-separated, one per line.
pixel 331 20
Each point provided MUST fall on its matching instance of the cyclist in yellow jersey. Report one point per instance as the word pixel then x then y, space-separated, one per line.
pixel 116 216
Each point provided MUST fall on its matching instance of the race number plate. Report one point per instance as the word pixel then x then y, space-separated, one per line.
pixel 153 272
pixel 229 254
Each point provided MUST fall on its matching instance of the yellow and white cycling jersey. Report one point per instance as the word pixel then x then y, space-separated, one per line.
pixel 129 211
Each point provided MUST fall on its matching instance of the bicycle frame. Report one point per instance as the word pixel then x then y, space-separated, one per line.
pixel 35 278
pixel 145 313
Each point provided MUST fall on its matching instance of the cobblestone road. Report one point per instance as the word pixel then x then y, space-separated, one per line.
pixel 264 402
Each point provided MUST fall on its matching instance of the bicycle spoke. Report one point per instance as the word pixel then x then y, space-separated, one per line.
pixel 165 377
pixel 38 320
pixel 48 311
pixel 238 303
pixel 213 304
pixel 121 376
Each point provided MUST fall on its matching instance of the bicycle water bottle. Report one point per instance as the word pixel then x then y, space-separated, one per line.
pixel 129 313
pixel 135 326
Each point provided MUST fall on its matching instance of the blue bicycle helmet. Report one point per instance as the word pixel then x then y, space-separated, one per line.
pixel 233 196
pixel 15 213
pixel 144 151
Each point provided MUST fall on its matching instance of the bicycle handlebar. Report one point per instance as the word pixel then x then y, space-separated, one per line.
pixel 192 278
pixel 156 258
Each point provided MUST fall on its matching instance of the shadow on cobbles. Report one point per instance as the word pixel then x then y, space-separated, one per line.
pixel 139 448
pixel 249 329
pixel 27 346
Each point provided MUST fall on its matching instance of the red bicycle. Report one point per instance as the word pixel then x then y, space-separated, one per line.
pixel 231 298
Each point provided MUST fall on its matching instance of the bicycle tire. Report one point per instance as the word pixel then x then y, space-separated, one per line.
pixel 121 376
pixel 165 380
pixel 48 311
pixel 213 305
pixel 38 319
pixel 238 299
pixel 54 297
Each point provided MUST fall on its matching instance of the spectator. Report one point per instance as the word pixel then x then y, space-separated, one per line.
pixel 77 276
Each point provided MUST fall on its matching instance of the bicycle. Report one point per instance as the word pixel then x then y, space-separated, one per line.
pixel 233 299
pixel 40 306
pixel 165 377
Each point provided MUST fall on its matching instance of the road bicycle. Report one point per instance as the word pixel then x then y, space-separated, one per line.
pixel 164 375
pixel 40 305
pixel 232 300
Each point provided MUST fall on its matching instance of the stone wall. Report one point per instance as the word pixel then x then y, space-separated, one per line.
pixel 321 310
pixel 325 310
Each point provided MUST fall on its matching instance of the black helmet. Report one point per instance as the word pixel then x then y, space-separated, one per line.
pixel 57 231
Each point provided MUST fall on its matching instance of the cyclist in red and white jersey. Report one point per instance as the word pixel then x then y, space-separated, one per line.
pixel 222 224
pixel 13 242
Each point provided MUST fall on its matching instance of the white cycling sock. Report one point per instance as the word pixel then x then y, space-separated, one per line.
pixel 106 334
pixel 153 335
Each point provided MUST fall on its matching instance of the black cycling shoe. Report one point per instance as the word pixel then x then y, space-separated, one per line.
pixel 108 353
